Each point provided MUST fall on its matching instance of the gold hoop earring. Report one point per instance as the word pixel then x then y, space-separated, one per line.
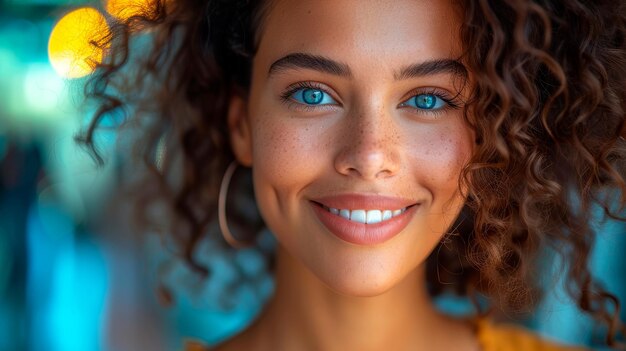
pixel 221 209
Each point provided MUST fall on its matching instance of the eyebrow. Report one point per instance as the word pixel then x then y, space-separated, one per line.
pixel 330 66
pixel 313 62
pixel 432 67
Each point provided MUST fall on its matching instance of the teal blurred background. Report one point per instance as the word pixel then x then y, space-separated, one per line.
pixel 74 276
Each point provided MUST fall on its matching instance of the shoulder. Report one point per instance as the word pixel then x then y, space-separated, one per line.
pixel 491 337
pixel 505 337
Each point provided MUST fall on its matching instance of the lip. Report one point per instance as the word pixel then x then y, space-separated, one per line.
pixel 361 233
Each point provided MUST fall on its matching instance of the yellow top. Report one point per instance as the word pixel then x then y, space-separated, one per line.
pixel 501 337
pixel 491 337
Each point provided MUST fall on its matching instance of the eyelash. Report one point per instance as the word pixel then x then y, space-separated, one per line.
pixel 286 96
pixel 451 102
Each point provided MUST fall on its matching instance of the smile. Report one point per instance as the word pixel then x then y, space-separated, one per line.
pixel 364 219
pixel 365 216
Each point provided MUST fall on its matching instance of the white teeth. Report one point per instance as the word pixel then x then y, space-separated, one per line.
pixel 387 214
pixel 374 216
pixel 345 214
pixel 358 216
pixel 365 216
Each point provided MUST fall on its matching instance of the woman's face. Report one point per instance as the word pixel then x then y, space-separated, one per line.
pixel 356 105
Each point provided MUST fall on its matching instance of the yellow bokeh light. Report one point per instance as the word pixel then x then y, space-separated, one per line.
pixel 70 50
pixel 125 9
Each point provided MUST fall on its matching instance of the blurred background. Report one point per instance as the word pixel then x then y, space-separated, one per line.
pixel 74 276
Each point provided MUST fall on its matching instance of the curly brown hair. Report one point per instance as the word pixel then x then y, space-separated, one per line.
pixel 547 110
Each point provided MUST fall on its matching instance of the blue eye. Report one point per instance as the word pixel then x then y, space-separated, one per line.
pixel 310 96
pixel 426 102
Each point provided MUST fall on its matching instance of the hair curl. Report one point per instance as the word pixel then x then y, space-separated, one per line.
pixel 547 110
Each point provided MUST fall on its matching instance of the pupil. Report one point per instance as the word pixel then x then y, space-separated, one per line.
pixel 312 96
pixel 425 101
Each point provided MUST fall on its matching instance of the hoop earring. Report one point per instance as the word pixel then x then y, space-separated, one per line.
pixel 221 209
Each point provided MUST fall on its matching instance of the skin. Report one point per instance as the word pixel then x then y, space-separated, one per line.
pixel 331 294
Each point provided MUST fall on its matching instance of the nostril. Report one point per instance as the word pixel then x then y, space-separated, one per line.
pixel 367 162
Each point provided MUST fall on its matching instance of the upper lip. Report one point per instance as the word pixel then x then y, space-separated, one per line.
pixel 356 201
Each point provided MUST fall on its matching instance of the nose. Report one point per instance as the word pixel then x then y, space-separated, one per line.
pixel 369 146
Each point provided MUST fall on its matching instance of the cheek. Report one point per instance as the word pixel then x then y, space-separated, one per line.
pixel 287 153
pixel 288 156
pixel 438 155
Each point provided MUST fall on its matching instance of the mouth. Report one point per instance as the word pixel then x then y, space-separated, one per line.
pixel 364 219
pixel 365 216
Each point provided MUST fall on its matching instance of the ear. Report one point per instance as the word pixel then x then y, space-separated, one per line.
pixel 240 130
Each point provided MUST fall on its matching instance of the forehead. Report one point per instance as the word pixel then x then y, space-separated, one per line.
pixel 368 34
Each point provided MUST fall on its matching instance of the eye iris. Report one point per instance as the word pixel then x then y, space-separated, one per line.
pixel 426 101
pixel 312 96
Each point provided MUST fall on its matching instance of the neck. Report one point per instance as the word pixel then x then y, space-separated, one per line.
pixel 304 314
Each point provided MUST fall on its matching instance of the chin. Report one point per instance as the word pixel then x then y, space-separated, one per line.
pixel 359 283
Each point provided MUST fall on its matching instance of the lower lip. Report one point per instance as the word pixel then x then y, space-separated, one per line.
pixel 361 233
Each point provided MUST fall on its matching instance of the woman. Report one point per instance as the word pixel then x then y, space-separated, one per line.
pixel 368 127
